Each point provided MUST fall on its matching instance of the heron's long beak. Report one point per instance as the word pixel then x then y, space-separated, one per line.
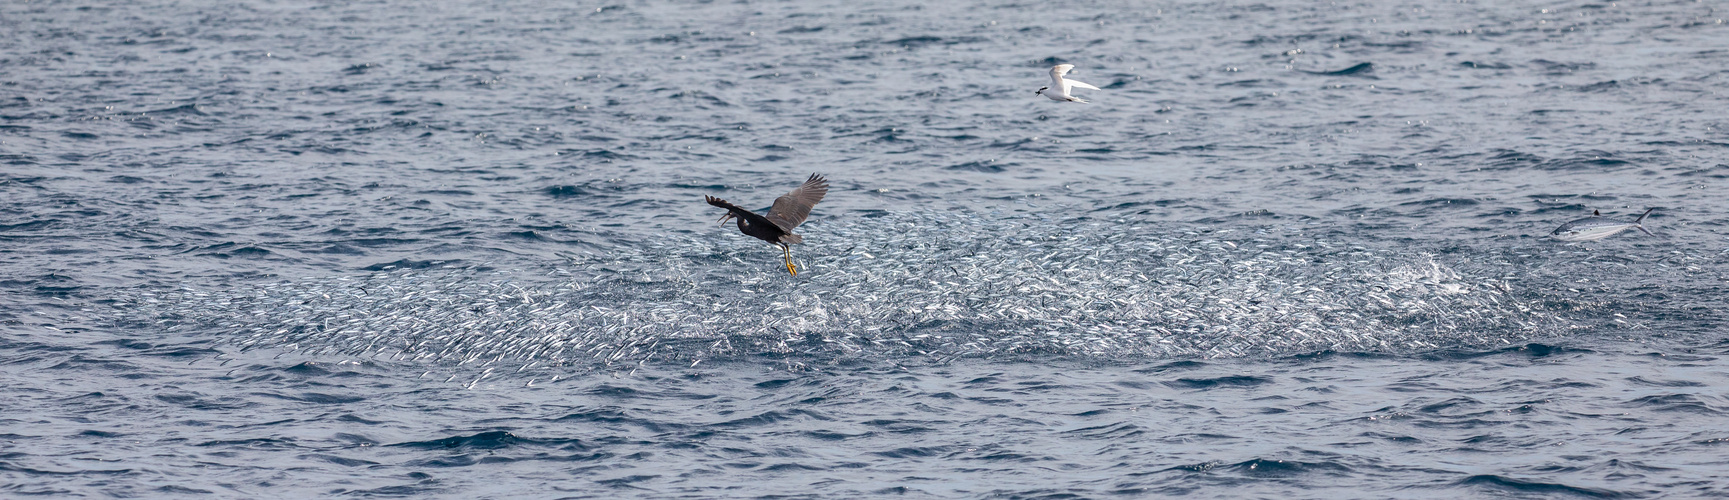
pixel 724 218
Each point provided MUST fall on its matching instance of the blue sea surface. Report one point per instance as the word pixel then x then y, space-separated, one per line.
pixel 460 250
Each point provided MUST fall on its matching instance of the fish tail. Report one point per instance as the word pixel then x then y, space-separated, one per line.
pixel 1642 217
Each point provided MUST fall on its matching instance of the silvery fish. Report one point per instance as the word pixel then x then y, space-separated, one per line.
pixel 1596 227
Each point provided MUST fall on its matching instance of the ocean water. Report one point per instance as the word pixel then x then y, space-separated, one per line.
pixel 459 250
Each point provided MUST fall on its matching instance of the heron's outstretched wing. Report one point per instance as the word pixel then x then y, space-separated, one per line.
pixel 792 208
pixel 738 211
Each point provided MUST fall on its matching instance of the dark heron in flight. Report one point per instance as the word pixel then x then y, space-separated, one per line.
pixel 788 212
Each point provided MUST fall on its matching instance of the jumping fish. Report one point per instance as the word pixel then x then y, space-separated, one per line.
pixel 1596 227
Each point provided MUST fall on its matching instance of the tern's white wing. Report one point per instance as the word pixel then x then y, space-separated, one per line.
pixel 1079 84
pixel 1057 73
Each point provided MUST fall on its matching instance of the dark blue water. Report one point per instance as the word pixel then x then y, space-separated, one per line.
pixel 1291 250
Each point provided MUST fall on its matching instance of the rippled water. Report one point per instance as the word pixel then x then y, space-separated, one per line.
pixel 1292 249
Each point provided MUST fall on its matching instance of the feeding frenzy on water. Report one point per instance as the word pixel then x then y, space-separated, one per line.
pixel 931 284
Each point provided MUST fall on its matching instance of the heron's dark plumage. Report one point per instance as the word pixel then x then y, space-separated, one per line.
pixel 750 223
pixel 788 212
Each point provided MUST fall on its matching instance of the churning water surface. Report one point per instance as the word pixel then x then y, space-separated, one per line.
pixel 1291 250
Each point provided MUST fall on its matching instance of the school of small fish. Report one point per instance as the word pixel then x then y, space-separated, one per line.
pixel 938 284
